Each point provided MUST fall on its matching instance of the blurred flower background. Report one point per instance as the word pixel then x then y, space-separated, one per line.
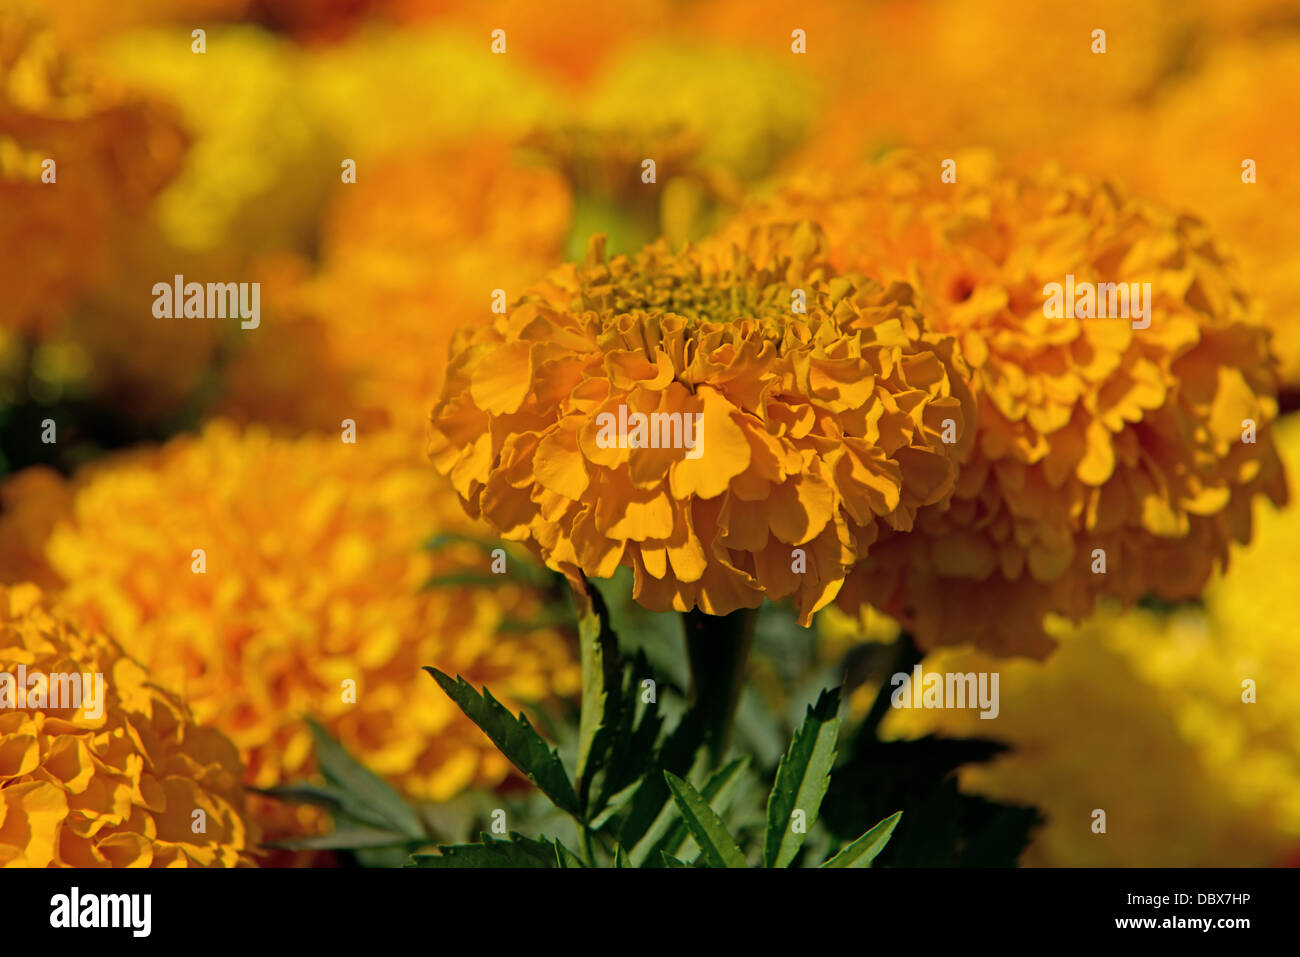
pixel 390 170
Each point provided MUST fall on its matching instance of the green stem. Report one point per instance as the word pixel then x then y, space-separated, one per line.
pixel 717 648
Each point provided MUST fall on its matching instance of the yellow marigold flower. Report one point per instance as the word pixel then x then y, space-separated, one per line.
pixel 569 39
pixel 420 239
pixel 255 175
pixel 1196 140
pixel 87 22
pixel 110 154
pixel 1093 434
pixel 31 503
pixel 309 586
pixel 1142 715
pixel 810 431
pixel 387 89
pixel 745 108
pixel 952 73
pixel 116 780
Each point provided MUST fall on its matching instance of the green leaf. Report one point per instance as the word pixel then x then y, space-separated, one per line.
pixel 670 861
pixel 864 850
pixel 620 857
pixel 366 796
pixel 677 754
pixel 719 846
pixel 802 778
pixel 565 857
pixel 626 739
pixel 343 839
pixel 518 851
pixel 515 738
pixel 718 792
pixel 600 673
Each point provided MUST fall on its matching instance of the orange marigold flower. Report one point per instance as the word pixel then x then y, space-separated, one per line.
pixel 1235 166
pixel 308 597
pixel 114 777
pixel 1093 434
pixel 448 226
pixel 773 443
pixel 31 504
pixel 110 155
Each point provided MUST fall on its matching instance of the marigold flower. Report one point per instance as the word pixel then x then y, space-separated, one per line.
pixel 569 39
pixel 253 177
pixel 111 783
pixel 1147 716
pixel 1198 136
pixel 387 89
pixel 111 153
pixel 88 22
pixel 31 503
pixel 1093 434
pixel 952 73
pixel 446 226
pixel 310 600
pixel 814 430
pixel 744 108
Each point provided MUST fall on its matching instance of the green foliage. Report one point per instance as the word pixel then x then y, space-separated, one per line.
pixel 515 738
pixel 633 804
pixel 367 811
pixel 802 778
pixel 640 787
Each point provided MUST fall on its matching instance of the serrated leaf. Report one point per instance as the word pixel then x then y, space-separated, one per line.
pixel 802 778
pixel 612 805
pixel 718 845
pixel 515 738
pixel 565 857
pixel 717 791
pixel 379 803
pixel 864 850
pixel 600 684
pixel 518 851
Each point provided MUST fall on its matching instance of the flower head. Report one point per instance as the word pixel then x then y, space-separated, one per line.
pixel 267 578
pixel 731 422
pixel 1111 457
pixel 77 155
pixel 121 776
pixel 252 178
pixel 446 226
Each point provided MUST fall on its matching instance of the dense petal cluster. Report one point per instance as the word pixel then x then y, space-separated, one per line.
pixel 111 782
pixel 787 414
pixel 76 154
pixel 1181 724
pixel 1144 443
pixel 308 597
